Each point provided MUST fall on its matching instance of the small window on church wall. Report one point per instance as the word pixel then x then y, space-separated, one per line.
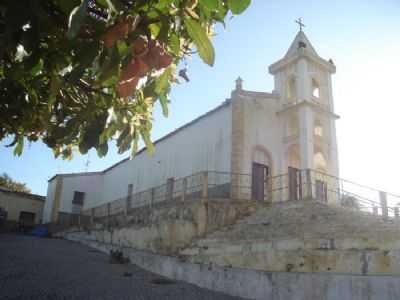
pixel 291 89
pixel 315 88
pixel 78 198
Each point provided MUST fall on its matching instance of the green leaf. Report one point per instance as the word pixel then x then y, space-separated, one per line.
pixel 55 86
pixel 102 150
pixel 67 6
pixel 147 141
pixel 110 5
pixel 201 40
pixel 162 82
pixel 109 72
pixel 76 19
pixel 87 52
pixel 164 104
pixel 37 68
pixel 210 4
pixel 238 6
pixel 175 44
pixel 123 48
pixel 20 146
pixel 102 3
pixel 155 29
pixel 163 4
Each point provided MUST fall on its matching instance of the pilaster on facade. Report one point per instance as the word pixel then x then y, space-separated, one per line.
pixel 57 199
pixel 238 132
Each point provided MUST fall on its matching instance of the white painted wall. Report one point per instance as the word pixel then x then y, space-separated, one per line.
pixel 91 185
pixel 203 145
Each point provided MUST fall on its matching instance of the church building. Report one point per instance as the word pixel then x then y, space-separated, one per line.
pixel 263 134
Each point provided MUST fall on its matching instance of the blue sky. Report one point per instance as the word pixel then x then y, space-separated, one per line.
pixel 363 39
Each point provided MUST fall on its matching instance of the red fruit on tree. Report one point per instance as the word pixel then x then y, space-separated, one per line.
pixel 153 56
pixel 127 87
pixel 139 47
pixel 165 60
pixel 115 33
pixel 130 76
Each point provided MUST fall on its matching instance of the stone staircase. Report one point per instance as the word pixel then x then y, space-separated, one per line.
pixel 304 236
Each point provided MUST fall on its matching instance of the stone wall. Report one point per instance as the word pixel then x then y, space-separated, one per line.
pixel 167 227
pixel 304 236
pixel 253 284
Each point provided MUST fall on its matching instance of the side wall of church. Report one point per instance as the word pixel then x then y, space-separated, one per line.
pixel 91 185
pixel 204 145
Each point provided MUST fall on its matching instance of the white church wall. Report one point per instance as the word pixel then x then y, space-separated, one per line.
pixel 204 145
pixel 263 130
pixel 91 185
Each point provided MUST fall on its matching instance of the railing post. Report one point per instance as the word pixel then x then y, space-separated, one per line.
pixel 79 220
pixel 383 198
pixel 108 214
pixel 308 185
pixel 396 213
pixel 204 185
pixel 184 187
pixel 152 197
pixel 128 204
pixel 92 216
pixel 232 190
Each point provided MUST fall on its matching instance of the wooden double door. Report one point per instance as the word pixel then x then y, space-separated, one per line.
pixel 259 175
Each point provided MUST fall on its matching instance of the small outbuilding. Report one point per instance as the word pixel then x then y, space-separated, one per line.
pixel 20 208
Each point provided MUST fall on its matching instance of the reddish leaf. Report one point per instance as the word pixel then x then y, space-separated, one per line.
pixel 139 47
pixel 130 76
pixel 127 87
pixel 115 33
pixel 165 60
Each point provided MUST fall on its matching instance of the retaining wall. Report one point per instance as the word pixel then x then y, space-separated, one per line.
pixel 255 284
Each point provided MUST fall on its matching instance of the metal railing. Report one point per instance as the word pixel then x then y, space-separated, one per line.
pixel 334 190
pixel 208 185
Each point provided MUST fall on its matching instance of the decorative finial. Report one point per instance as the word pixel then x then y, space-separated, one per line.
pixel 239 84
pixel 301 24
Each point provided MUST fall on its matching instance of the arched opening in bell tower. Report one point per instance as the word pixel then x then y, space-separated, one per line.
pixel 318 128
pixel 315 89
pixel 291 89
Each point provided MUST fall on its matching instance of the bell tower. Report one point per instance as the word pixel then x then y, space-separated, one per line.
pixel 306 111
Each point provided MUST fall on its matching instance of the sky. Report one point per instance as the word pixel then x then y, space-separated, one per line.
pixel 362 38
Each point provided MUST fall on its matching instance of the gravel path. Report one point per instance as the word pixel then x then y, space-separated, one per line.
pixel 34 268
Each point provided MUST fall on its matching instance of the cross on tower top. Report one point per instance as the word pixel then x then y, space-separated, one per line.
pixel 301 24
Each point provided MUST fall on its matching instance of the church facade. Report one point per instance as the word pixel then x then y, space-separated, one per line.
pixel 257 133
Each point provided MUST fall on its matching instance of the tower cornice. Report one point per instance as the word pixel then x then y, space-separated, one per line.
pixel 301 53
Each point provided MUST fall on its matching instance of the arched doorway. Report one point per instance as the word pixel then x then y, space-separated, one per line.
pixel 321 181
pixel 260 170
